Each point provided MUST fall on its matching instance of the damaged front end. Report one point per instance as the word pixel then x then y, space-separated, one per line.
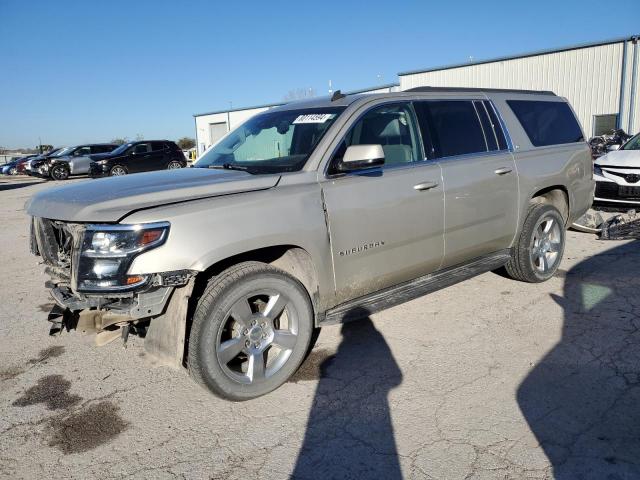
pixel 88 266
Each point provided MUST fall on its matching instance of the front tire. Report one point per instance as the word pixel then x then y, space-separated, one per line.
pixel 538 251
pixel 117 171
pixel 251 331
pixel 59 172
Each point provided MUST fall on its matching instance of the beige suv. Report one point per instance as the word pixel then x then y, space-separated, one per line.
pixel 312 214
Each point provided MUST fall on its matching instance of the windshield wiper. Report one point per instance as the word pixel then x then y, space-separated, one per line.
pixel 229 166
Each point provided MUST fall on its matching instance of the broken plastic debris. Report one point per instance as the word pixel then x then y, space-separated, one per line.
pixel 590 222
pixel 625 226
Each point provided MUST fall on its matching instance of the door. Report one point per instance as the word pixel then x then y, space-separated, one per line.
pixel 385 223
pixel 479 176
pixel 159 156
pixel 139 160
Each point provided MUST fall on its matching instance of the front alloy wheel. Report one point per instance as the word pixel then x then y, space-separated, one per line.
pixel 251 331
pixel 59 172
pixel 117 171
pixel 257 337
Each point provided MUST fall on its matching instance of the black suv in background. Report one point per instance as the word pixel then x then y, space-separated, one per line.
pixel 134 157
pixel 69 161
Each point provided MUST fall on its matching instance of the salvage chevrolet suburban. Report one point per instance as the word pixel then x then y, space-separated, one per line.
pixel 311 214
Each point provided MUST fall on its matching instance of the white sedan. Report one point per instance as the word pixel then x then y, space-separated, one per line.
pixel 617 175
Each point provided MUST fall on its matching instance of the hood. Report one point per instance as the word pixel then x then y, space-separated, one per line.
pixel 620 158
pixel 110 199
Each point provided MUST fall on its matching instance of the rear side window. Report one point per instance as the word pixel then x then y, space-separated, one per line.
pixel 547 123
pixel 142 148
pixel 451 127
pixel 155 146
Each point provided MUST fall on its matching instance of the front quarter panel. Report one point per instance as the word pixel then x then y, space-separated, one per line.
pixel 204 232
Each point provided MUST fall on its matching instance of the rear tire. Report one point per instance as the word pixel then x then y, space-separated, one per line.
pixel 174 164
pixel 538 251
pixel 251 330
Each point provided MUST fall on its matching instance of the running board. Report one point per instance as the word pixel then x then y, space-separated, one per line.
pixel 392 296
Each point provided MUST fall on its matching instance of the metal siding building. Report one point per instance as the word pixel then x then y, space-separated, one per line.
pixel 601 80
pixel 212 126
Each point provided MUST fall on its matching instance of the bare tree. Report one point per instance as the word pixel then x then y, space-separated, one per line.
pixel 299 94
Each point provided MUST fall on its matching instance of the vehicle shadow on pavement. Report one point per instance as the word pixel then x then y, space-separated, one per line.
pixel 349 432
pixel 582 401
pixel 13 186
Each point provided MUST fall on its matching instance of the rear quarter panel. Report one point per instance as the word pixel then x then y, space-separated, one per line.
pixel 568 165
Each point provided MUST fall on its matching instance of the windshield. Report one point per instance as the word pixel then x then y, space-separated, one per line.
pixel 272 142
pixel 120 149
pixel 62 151
pixel 633 144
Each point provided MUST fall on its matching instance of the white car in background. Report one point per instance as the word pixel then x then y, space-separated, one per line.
pixel 617 175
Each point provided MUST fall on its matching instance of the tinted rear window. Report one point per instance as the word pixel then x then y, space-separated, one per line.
pixel 452 127
pixel 547 123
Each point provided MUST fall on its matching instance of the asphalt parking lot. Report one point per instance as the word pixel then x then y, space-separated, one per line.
pixel 488 379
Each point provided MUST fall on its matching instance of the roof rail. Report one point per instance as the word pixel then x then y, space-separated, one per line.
pixel 465 89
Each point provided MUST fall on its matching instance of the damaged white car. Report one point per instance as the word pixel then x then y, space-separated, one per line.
pixel 617 175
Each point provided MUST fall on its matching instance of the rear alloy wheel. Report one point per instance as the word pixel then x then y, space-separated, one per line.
pixel 538 252
pixel 251 331
pixel 173 164
pixel 13 171
pixel 59 172
pixel 117 171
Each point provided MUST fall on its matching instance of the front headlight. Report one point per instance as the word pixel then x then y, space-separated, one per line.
pixel 107 252
pixel 597 170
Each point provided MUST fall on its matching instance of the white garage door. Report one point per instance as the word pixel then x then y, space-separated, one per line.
pixel 217 131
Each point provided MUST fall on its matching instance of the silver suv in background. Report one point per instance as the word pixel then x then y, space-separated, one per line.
pixel 70 161
pixel 311 214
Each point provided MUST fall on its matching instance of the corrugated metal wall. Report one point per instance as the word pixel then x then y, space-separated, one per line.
pixel 589 77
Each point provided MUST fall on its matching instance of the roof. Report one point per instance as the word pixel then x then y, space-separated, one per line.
pixel 472 89
pixel 271 105
pixel 524 55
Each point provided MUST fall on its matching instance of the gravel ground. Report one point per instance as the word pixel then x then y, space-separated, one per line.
pixel 488 379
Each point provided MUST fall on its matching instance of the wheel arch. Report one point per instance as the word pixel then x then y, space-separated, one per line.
pixel 292 259
pixel 556 195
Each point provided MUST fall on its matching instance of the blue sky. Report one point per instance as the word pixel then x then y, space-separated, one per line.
pixel 80 71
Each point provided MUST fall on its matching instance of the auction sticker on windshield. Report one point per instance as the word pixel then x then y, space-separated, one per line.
pixel 314 118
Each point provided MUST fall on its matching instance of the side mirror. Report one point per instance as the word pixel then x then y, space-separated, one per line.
pixel 358 157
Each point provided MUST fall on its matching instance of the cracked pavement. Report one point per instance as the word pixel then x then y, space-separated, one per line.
pixel 488 379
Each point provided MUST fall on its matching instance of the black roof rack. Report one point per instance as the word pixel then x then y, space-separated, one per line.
pixel 465 89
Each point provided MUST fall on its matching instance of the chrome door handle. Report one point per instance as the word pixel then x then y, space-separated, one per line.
pixel 425 186
pixel 503 171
